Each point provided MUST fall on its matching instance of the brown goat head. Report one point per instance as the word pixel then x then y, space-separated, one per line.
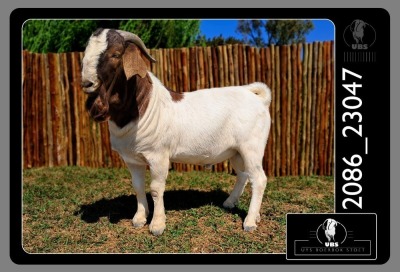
pixel 123 84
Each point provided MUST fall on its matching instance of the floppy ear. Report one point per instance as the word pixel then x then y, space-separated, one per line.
pixel 133 62
pixel 325 224
pixel 353 25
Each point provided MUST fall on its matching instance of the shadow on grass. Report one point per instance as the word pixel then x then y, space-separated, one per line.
pixel 124 207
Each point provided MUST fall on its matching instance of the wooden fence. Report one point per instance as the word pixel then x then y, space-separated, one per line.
pixel 57 129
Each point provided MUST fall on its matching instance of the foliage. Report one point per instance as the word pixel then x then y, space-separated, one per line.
pixel 251 30
pixel 56 35
pixel 72 35
pixel 278 32
pixel 215 41
pixel 164 33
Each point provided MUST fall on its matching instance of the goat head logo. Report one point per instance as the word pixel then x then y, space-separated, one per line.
pixel 330 229
pixel 331 233
pixel 359 35
pixel 357 27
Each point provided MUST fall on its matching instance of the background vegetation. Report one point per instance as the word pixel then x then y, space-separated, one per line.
pixel 71 35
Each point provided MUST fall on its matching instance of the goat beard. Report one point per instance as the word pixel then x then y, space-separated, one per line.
pixel 97 104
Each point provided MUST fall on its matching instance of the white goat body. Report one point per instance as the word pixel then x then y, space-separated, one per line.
pixel 202 127
pixel 206 127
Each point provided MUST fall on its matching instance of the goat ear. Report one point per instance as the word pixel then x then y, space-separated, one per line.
pixel 133 62
pixel 324 225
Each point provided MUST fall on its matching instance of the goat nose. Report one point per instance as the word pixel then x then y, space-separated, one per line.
pixel 86 84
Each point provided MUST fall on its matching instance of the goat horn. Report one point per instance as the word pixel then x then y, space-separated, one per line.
pixel 128 36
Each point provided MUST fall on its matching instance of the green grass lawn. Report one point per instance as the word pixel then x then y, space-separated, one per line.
pixel 82 210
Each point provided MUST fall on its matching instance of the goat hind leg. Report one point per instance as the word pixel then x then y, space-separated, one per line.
pixel 258 182
pixel 241 181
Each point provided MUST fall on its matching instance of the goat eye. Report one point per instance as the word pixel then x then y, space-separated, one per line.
pixel 116 55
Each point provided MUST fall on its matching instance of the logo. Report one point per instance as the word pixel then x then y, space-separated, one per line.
pixel 331 236
pixel 359 35
pixel 331 233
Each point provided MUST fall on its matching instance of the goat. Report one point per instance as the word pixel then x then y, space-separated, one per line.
pixel 357 27
pixel 151 125
pixel 329 226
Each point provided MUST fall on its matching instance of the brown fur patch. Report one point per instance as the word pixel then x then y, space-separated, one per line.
pixel 143 89
pixel 176 97
pixel 131 102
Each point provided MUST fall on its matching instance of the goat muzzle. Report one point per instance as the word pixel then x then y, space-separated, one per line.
pixel 98 101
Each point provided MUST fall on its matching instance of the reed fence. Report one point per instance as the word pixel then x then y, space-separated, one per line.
pixel 57 130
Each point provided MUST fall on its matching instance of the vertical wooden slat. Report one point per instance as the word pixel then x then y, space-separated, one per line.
pixel 40 114
pixel 46 81
pixel 309 101
pixel 278 111
pixel 231 70
pixel 245 66
pixel 225 65
pixel 220 66
pixel 65 137
pixel 313 108
pixel 31 115
pixel 35 122
pixel 304 110
pixel 283 101
pixel 177 69
pixel 332 107
pixel 318 109
pixel 273 110
pixel 323 113
pixel 257 56
pixel 40 76
pixel 172 67
pixel 270 137
pixel 26 80
pixel 185 78
pixel 202 78
pixel 210 67
pixel 289 112
pixel 294 110
pixel 206 68
pixel 328 108
pixel 68 121
pixel 251 64
pixel 323 134
pixel 241 64
pixel 76 97
pixel 192 69
pixel 299 108
pixel 236 66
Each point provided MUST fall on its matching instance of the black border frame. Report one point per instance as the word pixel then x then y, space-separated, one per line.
pixel 378 80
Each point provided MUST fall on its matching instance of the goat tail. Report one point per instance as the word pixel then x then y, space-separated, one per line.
pixel 262 91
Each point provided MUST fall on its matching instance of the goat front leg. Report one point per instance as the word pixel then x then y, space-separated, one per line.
pixel 138 181
pixel 159 173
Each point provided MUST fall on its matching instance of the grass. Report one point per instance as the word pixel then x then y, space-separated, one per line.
pixel 86 210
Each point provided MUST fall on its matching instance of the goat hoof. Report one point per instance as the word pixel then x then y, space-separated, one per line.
pixel 139 222
pixel 157 229
pixel 249 225
pixel 228 204
pixel 249 228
